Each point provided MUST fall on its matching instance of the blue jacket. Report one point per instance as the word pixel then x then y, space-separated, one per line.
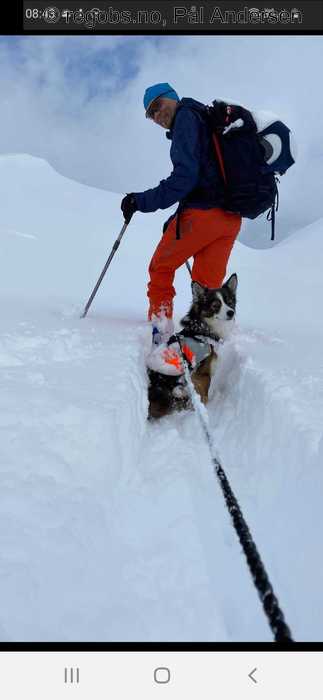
pixel 196 180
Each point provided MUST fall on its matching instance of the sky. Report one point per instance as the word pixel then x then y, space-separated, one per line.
pixel 76 101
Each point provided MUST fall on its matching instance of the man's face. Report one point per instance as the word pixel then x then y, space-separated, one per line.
pixel 162 111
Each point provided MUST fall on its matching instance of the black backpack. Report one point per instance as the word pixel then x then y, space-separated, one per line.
pixel 250 159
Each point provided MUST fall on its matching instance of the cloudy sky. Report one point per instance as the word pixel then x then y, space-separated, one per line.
pixel 77 102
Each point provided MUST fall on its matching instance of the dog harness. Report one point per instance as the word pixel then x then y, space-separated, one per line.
pixel 166 357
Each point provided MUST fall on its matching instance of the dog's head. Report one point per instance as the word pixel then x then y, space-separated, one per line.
pixel 214 307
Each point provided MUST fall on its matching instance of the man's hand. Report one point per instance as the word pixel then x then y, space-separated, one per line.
pixel 128 207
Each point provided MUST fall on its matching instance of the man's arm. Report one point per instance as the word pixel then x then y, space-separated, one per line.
pixel 185 155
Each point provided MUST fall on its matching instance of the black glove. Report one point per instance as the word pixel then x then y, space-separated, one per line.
pixel 128 207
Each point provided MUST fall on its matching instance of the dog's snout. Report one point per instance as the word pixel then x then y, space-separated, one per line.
pixel 230 313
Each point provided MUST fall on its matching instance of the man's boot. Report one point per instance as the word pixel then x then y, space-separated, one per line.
pixel 162 329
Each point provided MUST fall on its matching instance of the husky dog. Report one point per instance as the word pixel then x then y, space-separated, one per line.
pixel 208 322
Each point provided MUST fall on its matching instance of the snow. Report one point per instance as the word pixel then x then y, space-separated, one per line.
pixel 113 528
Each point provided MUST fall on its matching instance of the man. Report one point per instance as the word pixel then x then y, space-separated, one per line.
pixel 200 228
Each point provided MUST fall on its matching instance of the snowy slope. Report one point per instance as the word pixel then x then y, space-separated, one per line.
pixel 115 529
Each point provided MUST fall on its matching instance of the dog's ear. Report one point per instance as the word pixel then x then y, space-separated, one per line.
pixel 232 283
pixel 198 291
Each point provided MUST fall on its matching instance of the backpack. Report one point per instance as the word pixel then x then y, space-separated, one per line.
pixel 250 157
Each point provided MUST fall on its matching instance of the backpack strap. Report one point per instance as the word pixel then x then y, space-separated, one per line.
pixel 271 216
pixel 219 156
pixel 178 215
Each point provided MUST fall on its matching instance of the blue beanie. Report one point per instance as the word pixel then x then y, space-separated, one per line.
pixel 159 90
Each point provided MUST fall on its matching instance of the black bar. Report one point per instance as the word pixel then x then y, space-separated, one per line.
pixel 11 22
pixel 172 16
pixel 139 647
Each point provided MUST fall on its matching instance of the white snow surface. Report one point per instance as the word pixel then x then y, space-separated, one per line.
pixel 113 528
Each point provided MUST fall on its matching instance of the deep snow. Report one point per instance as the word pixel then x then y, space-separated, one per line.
pixel 115 529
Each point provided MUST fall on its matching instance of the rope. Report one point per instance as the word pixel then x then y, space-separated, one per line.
pixel 256 567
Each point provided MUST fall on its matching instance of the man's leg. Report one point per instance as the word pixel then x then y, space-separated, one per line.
pixel 168 256
pixel 210 262
pixel 199 228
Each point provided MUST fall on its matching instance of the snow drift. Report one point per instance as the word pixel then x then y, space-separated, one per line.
pixel 115 529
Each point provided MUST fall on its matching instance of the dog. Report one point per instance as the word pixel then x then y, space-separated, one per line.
pixel 209 321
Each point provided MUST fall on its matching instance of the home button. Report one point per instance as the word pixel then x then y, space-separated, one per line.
pixel 161 675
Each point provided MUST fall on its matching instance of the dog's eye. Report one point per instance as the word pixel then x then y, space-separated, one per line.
pixel 213 308
pixel 230 301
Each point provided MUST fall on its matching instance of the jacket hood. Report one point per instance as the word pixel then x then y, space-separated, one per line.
pixel 186 102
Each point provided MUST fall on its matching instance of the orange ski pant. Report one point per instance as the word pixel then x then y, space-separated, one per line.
pixel 207 235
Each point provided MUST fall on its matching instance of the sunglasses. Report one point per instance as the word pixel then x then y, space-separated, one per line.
pixel 154 108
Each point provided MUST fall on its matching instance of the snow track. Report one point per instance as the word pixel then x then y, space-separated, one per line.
pixel 123 520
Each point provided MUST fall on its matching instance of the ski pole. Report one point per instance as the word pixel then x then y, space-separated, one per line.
pixel 114 248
